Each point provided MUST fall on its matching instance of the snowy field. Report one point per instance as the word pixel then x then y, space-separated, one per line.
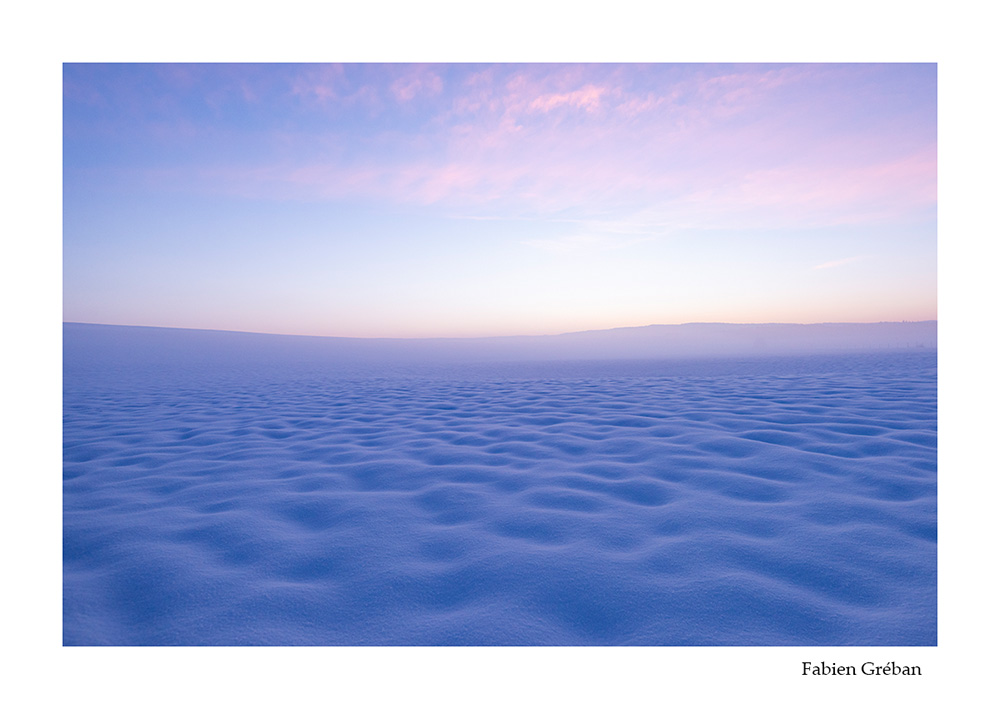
pixel 227 491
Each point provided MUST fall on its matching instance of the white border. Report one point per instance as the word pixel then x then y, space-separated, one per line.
pixel 40 38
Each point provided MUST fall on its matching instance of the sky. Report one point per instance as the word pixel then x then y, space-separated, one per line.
pixel 454 200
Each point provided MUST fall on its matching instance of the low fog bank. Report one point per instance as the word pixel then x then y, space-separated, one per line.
pixel 719 339
pixel 106 344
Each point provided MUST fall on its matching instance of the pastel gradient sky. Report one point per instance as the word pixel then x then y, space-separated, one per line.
pixel 464 200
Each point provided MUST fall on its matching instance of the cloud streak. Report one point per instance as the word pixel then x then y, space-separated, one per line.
pixel 837 264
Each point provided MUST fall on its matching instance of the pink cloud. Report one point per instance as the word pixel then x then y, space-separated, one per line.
pixel 633 107
pixel 550 181
pixel 421 81
pixel 587 98
pixel 743 86
pixel 880 190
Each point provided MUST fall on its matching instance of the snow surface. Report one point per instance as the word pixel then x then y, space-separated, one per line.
pixel 227 489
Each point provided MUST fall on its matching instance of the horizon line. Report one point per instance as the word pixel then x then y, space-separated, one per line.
pixel 497 337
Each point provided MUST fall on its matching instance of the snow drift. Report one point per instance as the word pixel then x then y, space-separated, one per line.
pixel 235 489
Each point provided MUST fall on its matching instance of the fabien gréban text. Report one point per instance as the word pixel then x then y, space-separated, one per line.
pixel 874 669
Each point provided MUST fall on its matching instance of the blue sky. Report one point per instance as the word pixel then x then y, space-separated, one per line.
pixel 462 200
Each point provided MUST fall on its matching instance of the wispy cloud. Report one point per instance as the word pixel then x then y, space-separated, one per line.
pixel 840 262
pixel 543 139
pixel 417 81
pixel 322 83
pixel 585 243
pixel 587 98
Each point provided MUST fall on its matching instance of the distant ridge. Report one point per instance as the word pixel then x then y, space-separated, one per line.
pixel 643 342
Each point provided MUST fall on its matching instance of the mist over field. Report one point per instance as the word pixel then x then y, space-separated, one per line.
pixel 652 342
